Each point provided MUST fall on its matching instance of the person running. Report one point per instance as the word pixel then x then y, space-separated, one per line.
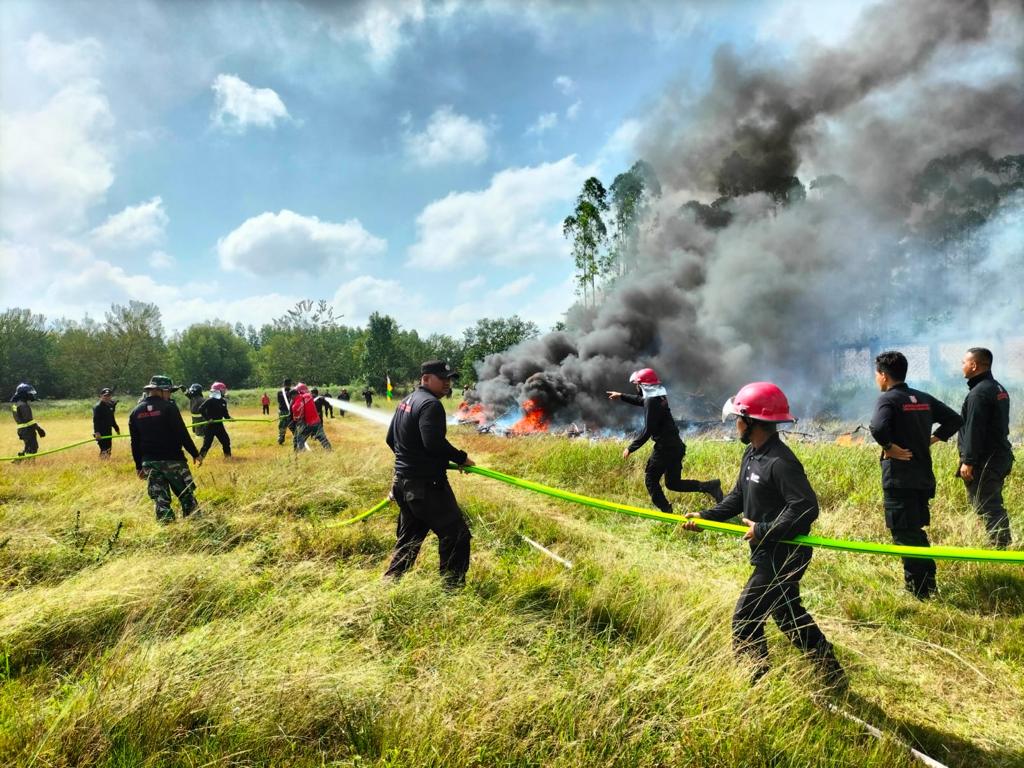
pixel 158 435
pixel 104 422
pixel 417 437
pixel 285 395
pixel 215 409
pixel 265 404
pixel 776 502
pixel 308 423
pixel 666 460
pixel 29 431
pixel 902 425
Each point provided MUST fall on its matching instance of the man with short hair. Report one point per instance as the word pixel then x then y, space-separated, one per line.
pixel 285 395
pixel 417 436
pixel 986 456
pixel 104 422
pixel 158 434
pixel 902 425
pixel 775 500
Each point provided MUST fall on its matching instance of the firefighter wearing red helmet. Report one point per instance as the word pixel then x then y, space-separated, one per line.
pixel 214 410
pixel 776 502
pixel 666 459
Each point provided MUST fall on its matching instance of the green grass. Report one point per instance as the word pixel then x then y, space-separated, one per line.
pixel 260 634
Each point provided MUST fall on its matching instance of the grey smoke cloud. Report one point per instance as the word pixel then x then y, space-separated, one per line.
pixel 770 294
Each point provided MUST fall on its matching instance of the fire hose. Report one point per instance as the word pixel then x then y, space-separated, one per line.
pixel 115 437
pixel 966 554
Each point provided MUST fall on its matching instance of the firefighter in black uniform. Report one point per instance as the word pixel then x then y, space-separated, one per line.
pixel 320 402
pixel 285 395
pixel 28 431
pixel 902 425
pixel 158 434
pixel 985 453
pixel 425 499
pixel 194 393
pixel 104 422
pixel 215 409
pixel 368 397
pixel 666 459
pixel 344 397
pixel 776 502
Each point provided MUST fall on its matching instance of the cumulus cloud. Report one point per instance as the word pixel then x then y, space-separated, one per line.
pixel 565 84
pixel 357 298
pixel 515 219
pixel 280 243
pixel 448 138
pixel 56 161
pixel 63 62
pixel 136 225
pixel 543 123
pixel 239 105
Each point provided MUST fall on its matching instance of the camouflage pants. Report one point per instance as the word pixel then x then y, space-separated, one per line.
pixel 166 477
pixel 311 432
pixel 284 423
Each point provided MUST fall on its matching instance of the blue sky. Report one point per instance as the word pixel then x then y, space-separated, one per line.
pixel 226 159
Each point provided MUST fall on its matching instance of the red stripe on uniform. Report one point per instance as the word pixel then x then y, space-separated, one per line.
pixel 917 407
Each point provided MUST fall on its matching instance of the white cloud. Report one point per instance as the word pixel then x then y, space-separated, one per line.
pixel 357 298
pixel 543 123
pixel 619 150
pixel 515 287
pixel 795 21
pixel 136 225
pixel 574 110
pixel 61 63
pixel 565 84
pixel 448 138
pixel 285 242
pixel 471 285
pixel 239 105
pixel 56 161
pixel 516 218
pixel 161 260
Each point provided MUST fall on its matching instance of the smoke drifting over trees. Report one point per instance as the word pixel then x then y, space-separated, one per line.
pixel 872 190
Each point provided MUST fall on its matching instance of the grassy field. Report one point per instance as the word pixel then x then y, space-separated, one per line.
pixel 260 633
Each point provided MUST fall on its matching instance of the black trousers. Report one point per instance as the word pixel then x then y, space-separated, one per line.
pixel 266 410
pixel 329 410
pixel 105 445
pixel 667 464
pixel 425 506
pixel 773 590
pixel 906 515
pixel 30 438
pixel 986 495
pixel 218 431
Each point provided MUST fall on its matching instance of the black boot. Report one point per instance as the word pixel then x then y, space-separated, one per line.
pixel 714 489
pixel 824 657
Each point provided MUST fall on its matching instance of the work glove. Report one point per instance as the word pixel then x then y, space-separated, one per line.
pixel 42 432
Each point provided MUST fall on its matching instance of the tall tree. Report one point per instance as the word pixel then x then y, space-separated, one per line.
pixel 381 353
pixel 26 352
pixel 490 336
pixel 630 193
pixel 207 352
pixel 588 232
pixel 135 335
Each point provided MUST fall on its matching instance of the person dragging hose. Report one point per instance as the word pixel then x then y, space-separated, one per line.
pixel 158 435
pixel 29 431
pixel 775 500
pixel 666 459
pixel 215 409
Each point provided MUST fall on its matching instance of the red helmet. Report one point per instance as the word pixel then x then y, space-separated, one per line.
pixel 644 376
pixel 218 386
pixel 301 388
pixel 762 401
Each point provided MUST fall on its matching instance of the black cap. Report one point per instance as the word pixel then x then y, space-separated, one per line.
pixel 106 391
pixel 439 368
pixel 287 382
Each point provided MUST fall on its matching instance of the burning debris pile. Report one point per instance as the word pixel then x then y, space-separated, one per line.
pixel 740 272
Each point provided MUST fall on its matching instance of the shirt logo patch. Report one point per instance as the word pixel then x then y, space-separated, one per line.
pixel 754 477
pixel 913 398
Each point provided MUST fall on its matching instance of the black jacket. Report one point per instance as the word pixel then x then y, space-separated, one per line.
pixel 158 432
pixel 103 420
pixel 984 437
pixel 284 401
pixel 22 413
pixel 659 425
pixel 320 402
pixel 195 404
pixel 905 416
pixel 214 408
pixel 772 490
pixel 417 437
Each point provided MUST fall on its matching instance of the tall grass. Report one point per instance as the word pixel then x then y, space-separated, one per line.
pixel 260 634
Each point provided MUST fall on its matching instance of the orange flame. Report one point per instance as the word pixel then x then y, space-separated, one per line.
pixel 534 420
pixel 471 414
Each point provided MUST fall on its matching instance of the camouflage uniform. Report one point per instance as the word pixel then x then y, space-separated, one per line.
pixel 311 432
pixel 166 477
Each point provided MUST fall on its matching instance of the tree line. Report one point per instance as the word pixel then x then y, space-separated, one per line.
pixel 66 358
